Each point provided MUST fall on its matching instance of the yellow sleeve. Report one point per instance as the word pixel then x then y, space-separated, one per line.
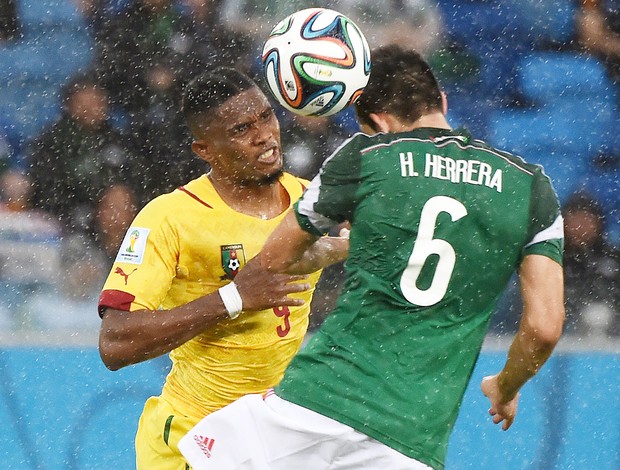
pixel 146 262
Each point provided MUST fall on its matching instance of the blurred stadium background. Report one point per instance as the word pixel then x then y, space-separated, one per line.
pixel 516 75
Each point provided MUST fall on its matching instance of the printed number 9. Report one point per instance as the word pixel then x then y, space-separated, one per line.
pixel 284 313
pixel 425 246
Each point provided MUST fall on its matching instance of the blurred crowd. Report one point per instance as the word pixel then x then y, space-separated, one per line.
pixel 71 183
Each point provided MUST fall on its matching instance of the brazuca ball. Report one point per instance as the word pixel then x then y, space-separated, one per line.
pixel 316 62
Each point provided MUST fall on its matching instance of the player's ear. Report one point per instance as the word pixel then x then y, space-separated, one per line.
pixel 200 148
pixel 380 122
pixel 444 103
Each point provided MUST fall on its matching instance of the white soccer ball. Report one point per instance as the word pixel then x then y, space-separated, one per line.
pixel 316 62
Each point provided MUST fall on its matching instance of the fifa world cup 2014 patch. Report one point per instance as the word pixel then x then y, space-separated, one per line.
pixel 133 246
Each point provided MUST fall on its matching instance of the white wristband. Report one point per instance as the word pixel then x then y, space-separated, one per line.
pixel 232 300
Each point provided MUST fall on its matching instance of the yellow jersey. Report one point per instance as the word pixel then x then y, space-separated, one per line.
pixel 187 244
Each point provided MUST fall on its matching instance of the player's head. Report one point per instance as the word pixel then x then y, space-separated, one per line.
pixel 584 222
pixel 208 91
pixel 401 84
pixel 86 101
pixel 234 126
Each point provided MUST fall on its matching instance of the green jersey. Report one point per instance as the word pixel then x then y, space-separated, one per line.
pixel 439 222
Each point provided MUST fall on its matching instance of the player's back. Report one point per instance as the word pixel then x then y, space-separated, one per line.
pixel 451 215
pixel 439 224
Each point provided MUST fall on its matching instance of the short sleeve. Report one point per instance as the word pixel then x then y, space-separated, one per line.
pixel 145 265
pixel 332 195
pixel 546 229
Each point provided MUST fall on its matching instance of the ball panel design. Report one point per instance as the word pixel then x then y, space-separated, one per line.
pixel 316 62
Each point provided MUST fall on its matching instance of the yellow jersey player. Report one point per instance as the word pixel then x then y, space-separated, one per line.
pixel 171 287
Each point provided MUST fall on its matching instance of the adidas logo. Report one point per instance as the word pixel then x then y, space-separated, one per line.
pixel 205 444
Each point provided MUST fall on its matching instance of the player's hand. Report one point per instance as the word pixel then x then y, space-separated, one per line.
pixel 260 289
pixel 341 230
pixel 501 409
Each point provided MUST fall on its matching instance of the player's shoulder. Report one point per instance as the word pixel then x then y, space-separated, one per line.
pixel 344 163
pixel 348 149
pixel 161 202
pixel 156 211
pixel 359 141
pixel 293 183
pixel 348 154
pixel 173 203
pixel 512 160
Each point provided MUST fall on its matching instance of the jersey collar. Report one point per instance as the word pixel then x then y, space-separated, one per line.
pixel 432 132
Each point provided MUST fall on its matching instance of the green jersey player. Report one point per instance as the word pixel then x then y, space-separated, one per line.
pixel 439 222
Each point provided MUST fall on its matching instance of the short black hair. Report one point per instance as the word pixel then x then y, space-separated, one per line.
pixel 209 90
pixel 401 83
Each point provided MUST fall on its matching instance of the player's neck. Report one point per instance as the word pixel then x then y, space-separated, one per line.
pixel 264 201
pixel 437 120
pixel 387 122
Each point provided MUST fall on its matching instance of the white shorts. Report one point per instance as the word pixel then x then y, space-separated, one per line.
pixel 256 433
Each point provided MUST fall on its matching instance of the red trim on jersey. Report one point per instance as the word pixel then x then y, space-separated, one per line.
pixel 303 186
pixel 192 195
pixel 116 299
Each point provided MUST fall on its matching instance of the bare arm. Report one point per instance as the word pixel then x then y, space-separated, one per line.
pixel 130 337
pixel 292 250
pixel 542 290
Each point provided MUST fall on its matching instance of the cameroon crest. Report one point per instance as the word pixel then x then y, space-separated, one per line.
pixel 233 259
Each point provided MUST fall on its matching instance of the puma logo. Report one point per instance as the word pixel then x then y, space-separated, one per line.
pixel 122 273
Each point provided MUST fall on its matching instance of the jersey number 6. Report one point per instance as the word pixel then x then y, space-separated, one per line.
pixel 425 245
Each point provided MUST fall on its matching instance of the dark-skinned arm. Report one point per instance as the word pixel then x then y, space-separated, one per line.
pixel 128 338
pixel 290 249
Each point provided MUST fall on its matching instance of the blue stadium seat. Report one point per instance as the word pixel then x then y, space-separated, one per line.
pixel 33 70
pixel 519 131
pixel 588 124
pixel 48 12
pixel 604 185
pixel 19 62
pixel 53 58
pixel 473 22
pixel 27 110
pixel 470 110
pixel 548 76
pixel 546 21
pixel 567 174
pixel 502 32
pixel 530 135
pixel 571 126
pixel 528 22
pixel 68 52
pixel 490 30
pixel 611 135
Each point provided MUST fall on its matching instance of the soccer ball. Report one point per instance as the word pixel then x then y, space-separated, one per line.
pixel 316 62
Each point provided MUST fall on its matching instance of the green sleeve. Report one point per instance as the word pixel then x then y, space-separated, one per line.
pixel 331 198
pixel 553 249
pixel 304 222
pixel 546 226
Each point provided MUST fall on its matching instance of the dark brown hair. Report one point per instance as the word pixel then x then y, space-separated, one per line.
pixel 401 83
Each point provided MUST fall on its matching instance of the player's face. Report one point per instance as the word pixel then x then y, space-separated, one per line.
pixel 244 140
